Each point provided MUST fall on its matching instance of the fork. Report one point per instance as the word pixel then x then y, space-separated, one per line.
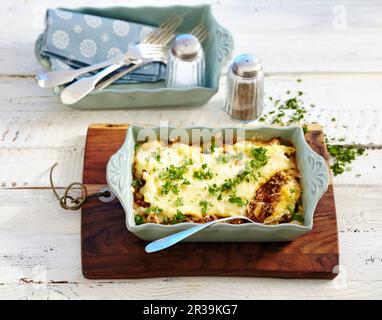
pixel 54 78
pixel 200 31
pixel 158 38
pixel 142 53
pixel 165 31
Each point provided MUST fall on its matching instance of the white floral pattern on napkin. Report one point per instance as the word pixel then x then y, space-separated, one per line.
pixel 73 40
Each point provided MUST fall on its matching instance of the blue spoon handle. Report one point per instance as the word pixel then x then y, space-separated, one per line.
pixel 168 241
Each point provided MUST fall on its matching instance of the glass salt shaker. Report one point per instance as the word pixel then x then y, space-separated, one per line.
pixel 245 88
pixel 186 63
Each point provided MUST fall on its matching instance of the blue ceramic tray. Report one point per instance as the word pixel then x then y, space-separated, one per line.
pixel 217 47
pixel 314 182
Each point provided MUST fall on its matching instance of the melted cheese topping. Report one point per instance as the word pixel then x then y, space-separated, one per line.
pixel 192 194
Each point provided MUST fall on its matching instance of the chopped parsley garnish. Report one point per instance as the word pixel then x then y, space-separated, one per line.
pixel 204 173
pixel 260 157
pixel 156 155
pixel 244 175
pixel 179 217
pixel 137 183
pixel 204 206
pixel 228 185
pixel 213 189
pixel 179 202
pixel 343 156
pixel 137 146
pixel 237 200
pixel 290 208
pixel 297 217
pixel 293 111
pixel 186 182
pixel 173 173
pixel 138 220
pixel 289 111
pixel 226 157
pixel 155 210
pixel 169 186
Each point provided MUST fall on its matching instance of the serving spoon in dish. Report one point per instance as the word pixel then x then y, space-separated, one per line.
pixel 170 240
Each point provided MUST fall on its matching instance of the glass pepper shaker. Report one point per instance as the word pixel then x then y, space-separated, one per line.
pixel 245 88
pixel 186 63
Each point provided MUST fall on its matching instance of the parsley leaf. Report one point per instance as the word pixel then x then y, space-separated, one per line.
pixel 169 186
pixel 204 173
pixel 179 202
pixel 213 189
pixel 204 205
pixel 260 157
pixel 173 173
pixel 297 217
pixel 178 217
pixel 138 220
pixel 186 182
pixel 237 200
pixel 137 183
pixel 343 155
pixel 155 210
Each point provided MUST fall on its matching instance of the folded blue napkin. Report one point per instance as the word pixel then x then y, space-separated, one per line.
pixel 73 40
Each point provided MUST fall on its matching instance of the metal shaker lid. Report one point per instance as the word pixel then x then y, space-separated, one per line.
pixel 246 65
pixel 186 46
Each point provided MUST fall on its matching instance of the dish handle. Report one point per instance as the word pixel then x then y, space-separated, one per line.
pixel 118 173
pixel 319 175
pixel 226 43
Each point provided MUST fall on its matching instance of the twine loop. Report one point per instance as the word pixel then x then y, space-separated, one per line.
pixel 72 203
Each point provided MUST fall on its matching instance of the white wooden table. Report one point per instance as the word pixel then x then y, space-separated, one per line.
pixel 334 47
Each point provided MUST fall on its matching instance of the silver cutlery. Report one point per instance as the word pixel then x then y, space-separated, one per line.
pixel 200 31
pixel 163 36
pixel 158 36
pixel 143 53
pixel 158 39
pixel 170 240
pixel 165 31
pixel 55 78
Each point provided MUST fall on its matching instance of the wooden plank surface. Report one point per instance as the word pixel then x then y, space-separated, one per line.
pixel 341 73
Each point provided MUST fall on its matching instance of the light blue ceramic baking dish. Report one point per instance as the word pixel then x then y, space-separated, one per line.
pixel 314 181
pixel 217 48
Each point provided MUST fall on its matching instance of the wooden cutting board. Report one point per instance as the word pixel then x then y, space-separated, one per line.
pixel 110 251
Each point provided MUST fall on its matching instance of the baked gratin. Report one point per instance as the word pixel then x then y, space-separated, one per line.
pixel 177 182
